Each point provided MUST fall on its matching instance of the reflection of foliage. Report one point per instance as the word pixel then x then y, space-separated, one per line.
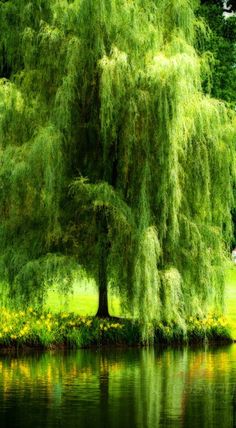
pixel 175 383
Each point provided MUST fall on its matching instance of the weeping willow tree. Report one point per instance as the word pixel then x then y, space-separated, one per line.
pixel 111 156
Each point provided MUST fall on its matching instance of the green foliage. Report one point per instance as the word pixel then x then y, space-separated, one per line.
pixel 111 140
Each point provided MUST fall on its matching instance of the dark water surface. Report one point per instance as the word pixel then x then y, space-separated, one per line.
pixel 119 388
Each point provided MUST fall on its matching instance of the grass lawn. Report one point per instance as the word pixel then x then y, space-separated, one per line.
pixel 230 298
pixel 83 301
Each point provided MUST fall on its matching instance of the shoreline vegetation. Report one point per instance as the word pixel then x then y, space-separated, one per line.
pixel 70 323
pixel 35 329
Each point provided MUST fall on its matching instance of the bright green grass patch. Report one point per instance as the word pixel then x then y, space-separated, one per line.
pixel 230 298
pixel 82 301
pixel 83 304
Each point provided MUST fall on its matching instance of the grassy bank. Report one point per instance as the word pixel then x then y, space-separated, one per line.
pixel 69 321
pixel 47 330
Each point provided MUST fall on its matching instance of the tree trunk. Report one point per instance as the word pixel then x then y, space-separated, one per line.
pixel 102 293
pixel 102 270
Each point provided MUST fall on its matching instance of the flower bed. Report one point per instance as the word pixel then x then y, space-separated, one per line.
pixel 33 328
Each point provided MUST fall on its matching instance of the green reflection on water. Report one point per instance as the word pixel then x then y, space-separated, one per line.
pixel 119 388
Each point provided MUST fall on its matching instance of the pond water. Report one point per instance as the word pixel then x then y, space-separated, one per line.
pixel 188 387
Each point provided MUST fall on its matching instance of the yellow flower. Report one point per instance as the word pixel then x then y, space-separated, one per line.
pixel 64 315
pixel 223 321
pixel 71 323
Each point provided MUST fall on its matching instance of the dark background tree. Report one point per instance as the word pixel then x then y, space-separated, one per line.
pixel 219 16
pixel 221 43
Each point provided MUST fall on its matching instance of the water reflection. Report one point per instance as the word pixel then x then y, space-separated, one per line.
pixel 120 388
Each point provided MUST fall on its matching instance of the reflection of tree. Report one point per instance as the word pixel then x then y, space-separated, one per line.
pixel 234 406
pixel 115 388
pixel 104 391
pixel 209 389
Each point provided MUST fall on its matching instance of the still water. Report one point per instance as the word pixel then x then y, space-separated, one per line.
pixel 146 388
